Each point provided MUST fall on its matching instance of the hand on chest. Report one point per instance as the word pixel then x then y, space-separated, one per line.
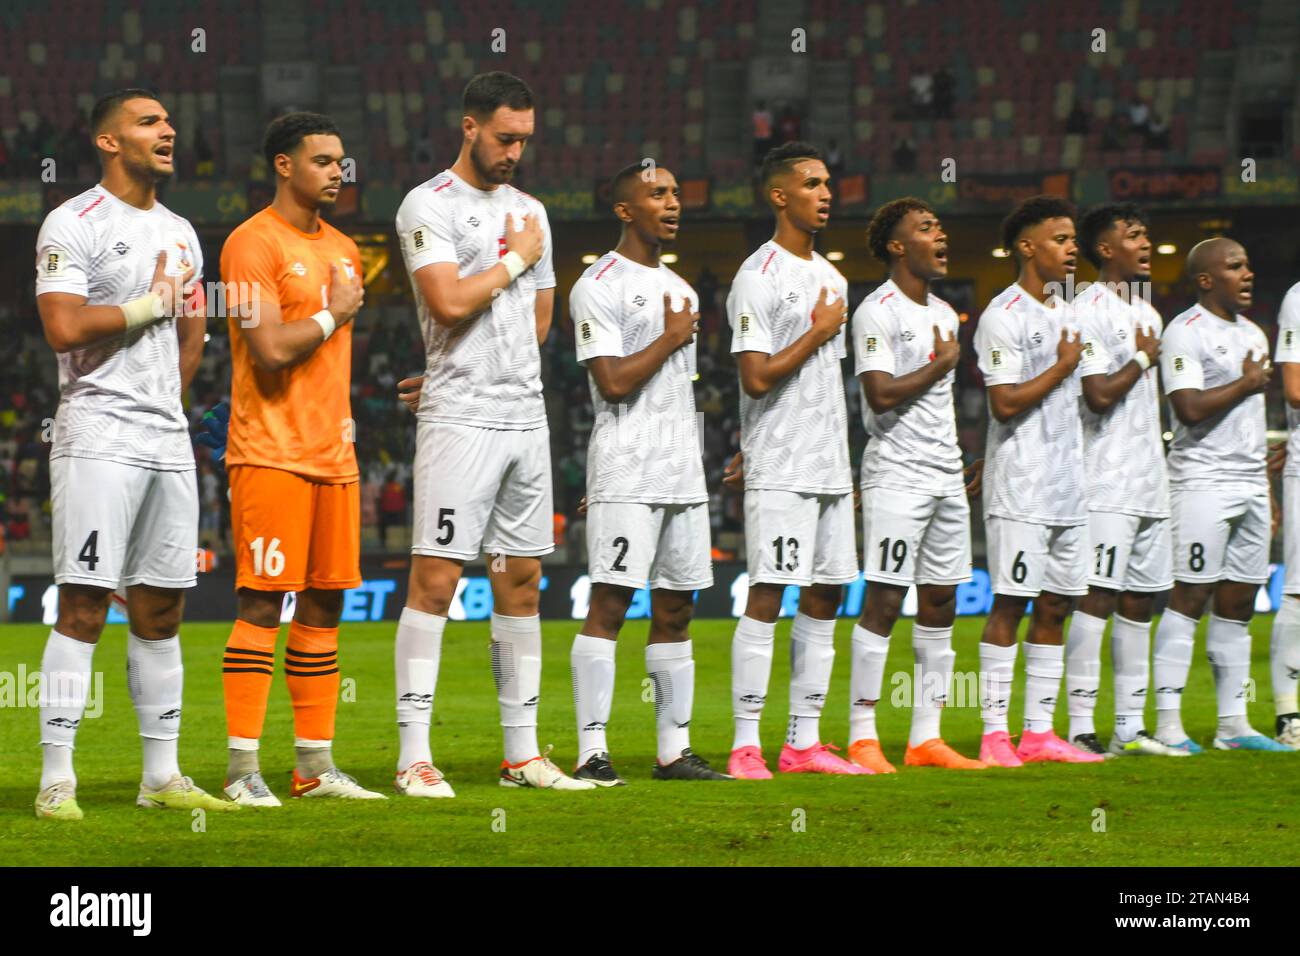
pixel 305 277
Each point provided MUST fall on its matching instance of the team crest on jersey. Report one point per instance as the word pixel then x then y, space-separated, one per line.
pixel 348 269
pixel 184 254
pixel 121 248
pixel 298 269
pixel 1037 337
pixel 638 300
pixel 55 263
pixel 1121 333
pixel 584 330
pixel 792 297
pixel 1221 350
pixel 908 335
pixel 474 221
pixel 744 324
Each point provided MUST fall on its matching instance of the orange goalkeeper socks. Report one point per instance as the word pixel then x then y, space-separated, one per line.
pixel 246 674
pixel 311 669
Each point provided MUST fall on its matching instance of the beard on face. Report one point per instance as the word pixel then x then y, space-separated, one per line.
pixel 488 172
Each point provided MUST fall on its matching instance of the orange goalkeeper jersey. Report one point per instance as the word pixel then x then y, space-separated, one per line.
pixel 297 419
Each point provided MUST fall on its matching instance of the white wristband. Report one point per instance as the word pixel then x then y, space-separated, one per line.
pixel 142 311
pixel 1143 360
pixel 325 319
pixel 514 264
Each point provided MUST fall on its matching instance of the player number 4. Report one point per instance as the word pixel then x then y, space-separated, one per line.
pixel 88 555
pixel 267 559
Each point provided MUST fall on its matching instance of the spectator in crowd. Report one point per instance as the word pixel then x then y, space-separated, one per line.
pixel 761 123
pixel 1077 121
pixel 834 159
pixel 905 155
pixel 1158 133
pixel 204 158
pixel 1139 114
pixel 392 507
pixel 922 88
pixel 945 92
pixel 790 126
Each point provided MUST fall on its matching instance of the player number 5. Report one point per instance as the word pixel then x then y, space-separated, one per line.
pixel 267 559
pixel 445 525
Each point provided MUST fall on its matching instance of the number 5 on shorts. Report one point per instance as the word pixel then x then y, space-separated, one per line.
pixel 268 560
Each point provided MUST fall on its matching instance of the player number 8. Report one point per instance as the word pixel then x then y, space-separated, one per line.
pixel 269 562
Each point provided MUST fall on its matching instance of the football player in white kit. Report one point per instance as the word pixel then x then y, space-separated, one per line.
pixel 1284 653
pixel 634 323
pixel 787 308
pixel 1215 367
pixel 478 252
pixel 112 268
pixel 1035 516
pixel 915 513
pixel 1127 484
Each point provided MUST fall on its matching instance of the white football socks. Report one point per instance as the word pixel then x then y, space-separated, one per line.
pixel 155 679
pixel 932 647
pixel 1044 667
pixel 1130 649
pixel 1173 660
pixel 64 687
pixel 812 654
pixel 1227 645
pixel 672 668
pixel 997 667
pixel 751 668
pixel 517 669
pixel 592 662
pixel 1083 671
pixel 1284 655
pixel 868 652
pixel 416 657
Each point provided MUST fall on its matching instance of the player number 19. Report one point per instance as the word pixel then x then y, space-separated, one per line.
pixel 267 559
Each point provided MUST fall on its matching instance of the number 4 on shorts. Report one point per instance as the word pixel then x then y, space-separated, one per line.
pixel 88 554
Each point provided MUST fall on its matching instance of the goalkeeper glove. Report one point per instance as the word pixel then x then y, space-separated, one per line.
pixel 216 426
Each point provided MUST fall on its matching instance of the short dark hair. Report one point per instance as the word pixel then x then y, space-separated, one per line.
pixel 486 92
pixel 781 159
pixel 287 131
pixel 1031 212
pixel 1099 219
pixel 881 228
pixel 618 185
pixel 109 104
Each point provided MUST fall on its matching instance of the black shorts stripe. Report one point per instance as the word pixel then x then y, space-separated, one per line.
pixel 249 650
pixel 248 670
pixel 310 673
pixel 297 653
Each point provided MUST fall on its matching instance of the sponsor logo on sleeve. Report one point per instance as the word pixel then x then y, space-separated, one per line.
pixel 1180 363
pixel 873 345
pixel 55 263
pixel 995 358
pixel 585 331
pixel 744 323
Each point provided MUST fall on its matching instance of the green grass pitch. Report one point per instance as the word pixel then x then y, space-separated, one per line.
pixel 1216 809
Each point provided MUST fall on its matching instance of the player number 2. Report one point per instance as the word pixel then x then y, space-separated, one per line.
pixel 445 525
pixel 268 559
pixel 787 556
pixel 1196 557
pixel 621 544
pixel 1102 554
pixel 898 553
pixel 1019 570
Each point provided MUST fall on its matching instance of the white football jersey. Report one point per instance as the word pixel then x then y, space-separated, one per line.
pixel 1288 350
pixel 795 438
pixel 120 397
pixel 487 370
pixel 1201 350
pixel 1122 450
pixel 1033 464
pixel 646 448
pixel 912 447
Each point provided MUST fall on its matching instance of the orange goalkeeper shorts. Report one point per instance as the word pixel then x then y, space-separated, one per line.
pixel 292 533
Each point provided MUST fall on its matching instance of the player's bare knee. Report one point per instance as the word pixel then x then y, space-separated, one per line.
pixel 260 608
pixel 820 601
pixel 936 605
pixel 1136 606
pixel 1190 600
pixel 319 608
pixel 1051 610
pixel 764 602
pixel 882 608
pixel 606 610
pixel 1234 600
pixel 1099 602
pixel 670 616
pixel 155 613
